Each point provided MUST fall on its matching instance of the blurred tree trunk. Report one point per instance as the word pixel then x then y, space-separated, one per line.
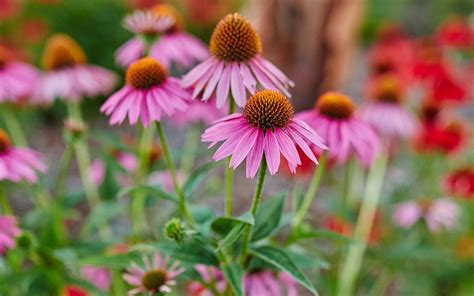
pixel 312 41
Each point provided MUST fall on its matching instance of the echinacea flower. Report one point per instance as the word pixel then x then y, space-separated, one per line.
pixel 437 213
pixel 267 283
pixel 17 79
pixel 98 276
pixel 211 276
pixel 176 46
pixel 460 183
pixel 345 134
pixel 266 127
pixel 156 277
pixel 235 65
pixel 8 232
pixel 67 74
pixel 145 24
pixel 148 92
pixel 385 112
pixel 18 163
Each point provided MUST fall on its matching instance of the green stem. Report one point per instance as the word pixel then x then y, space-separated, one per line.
pixel 182 202
pixel 191 146
pixel 63 169
pixel 355 254
pixel 14 127
pixel 229 174
pixel 139 198
pixel 310 193
pixel 4 202
pixel 253 208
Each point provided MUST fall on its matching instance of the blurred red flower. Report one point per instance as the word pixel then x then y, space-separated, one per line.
pixel 446 138
pixel 34 30
pixel 456 32
pixel 343 227
pixel 9 8
pixel 72 290
pixel 461 183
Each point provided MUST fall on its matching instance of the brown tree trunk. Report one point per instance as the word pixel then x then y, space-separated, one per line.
pixel 312 41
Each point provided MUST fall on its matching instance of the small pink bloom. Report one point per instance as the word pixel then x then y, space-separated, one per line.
pixel 267 283
pixel 148 23
pixel 17 79
pixel 235 66
pixel 437 214
pixel 344 133
pixel 156 277
pixel 266 128
pixel 68 76
pixel 210 275
pixel 97 172
pixel 130 51
pixel 148 93
pixel 165 179
pixel 99 277
pixel 128 161
pixel 18 163
pixel 8 232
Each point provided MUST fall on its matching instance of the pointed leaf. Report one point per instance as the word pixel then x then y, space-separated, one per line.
pixel 268 217
pixel 223 225
pixel 234 274
pixel 197 176
pixel 191 252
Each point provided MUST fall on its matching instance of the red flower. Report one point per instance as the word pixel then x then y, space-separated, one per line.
pixel 456 33
pixel 461 183
pixel 34 30
pixel 72 290
pixel 445 138
pixel 343 227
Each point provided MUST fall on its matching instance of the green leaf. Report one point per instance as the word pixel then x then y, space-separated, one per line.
pixel 236 233
pixel 320 234
pixel 155 191
pixel 233 273
pixel 112 261
pixel 268 217
pixel 192 252
pixel 197 176
pixel 283 262
pixel 223 225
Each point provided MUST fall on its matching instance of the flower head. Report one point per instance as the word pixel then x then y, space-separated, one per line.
pixel 18 164
pixel 457 33
pixel 156 277
pixel 235 65
pixel 148 23
pixel 148 93
pixel 345 134
pixel 8 232
pixel 460 183
pixel 17 80
pixel 98 276
pixel 68 76
pixel 385 112
pixel 266 127
pixel 176 46
pixel 439 213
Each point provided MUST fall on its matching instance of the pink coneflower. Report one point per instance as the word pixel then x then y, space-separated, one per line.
pixel 176 46
pixel 266 127
pixel 18 163
pixel 345 134
pixel 97 171
pixel 68 76
pixel 17 79
pixel 8 232
pixel 437 214
pixel 235 65
pixel 156 277
pixel 148 92
pixel 145 24
pixel 385 112
pixel 267 283
pixel 98 276
pixel 210 275
pixel 199 112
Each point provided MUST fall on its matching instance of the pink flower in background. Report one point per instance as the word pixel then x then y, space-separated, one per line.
pixel 267 283
pixel 266 127
pixel 99 277
pixel 17 79
pixel 67 75
pixel 144 24
pixel 97 171
pixel 235 65
pixel 437 214
pixel 385 112
pixel 128 161
pixel 148 93
pixel 164 178
pixel 18 163
pixel 176 46
pixel 156 277
pixel 210 275
pixel 8 232
pixel 343 132
pixel 197 112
